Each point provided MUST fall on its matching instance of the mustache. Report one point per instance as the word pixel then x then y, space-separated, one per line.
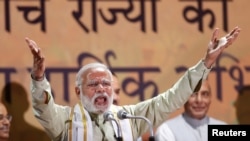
pixel 100 94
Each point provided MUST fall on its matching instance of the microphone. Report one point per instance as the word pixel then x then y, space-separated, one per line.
pixel 124 115
pixel 108 116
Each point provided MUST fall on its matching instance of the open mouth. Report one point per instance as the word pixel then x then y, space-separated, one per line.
pixel 101 100
pixel 198 109
pixel 4 129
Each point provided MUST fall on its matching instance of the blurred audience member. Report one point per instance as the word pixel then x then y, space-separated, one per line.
pixel 15 98
pixel 5 120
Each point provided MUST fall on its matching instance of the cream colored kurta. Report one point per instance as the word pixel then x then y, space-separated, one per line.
pixel 185 128
pixel 54 118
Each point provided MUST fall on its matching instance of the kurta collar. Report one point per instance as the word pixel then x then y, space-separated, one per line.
pixel 195 122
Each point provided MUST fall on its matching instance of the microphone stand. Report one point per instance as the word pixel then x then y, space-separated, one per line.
pixel 108 117
pixel 119 138
pixel 151 137
pixel 123 115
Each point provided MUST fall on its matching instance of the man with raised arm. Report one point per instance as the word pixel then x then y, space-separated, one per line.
pixel 94 88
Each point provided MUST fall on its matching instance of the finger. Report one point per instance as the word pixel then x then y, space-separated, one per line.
pixel 36 51
pixel 215 35
pixel 235 35
pixel 235 30
pixel 232 36
pixel 32 45
pixel 231 39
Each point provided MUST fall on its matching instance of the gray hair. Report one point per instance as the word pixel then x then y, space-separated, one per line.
pixel 79 78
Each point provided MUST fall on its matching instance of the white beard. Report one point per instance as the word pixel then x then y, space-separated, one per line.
pixel 90 106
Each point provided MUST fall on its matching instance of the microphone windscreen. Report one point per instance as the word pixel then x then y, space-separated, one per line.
pixel 107 115
pixel 121 114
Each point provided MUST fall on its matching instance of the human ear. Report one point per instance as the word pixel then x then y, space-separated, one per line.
pixel 77 91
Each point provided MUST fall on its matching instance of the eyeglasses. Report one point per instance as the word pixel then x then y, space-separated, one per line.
pixel 8 117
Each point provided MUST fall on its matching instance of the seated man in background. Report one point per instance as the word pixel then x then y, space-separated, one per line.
pixel 5 120
pixel 191 125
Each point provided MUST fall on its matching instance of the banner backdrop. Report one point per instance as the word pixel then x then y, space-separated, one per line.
pixel 147 43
